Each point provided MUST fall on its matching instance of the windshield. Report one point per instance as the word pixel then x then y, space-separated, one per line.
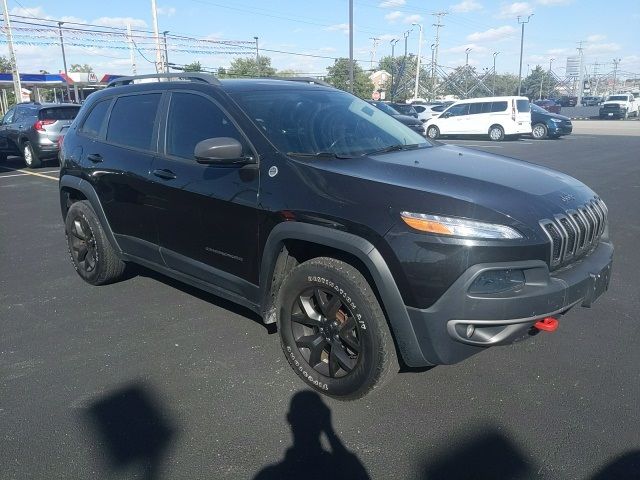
pixel 536 108
pixel 618 97
pixel 325 122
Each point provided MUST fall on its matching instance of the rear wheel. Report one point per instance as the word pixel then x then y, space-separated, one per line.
pixel 433 132
pixel 539 131
pixel 30 156
pixel 333 331
pixel 92 255
pixel 496 133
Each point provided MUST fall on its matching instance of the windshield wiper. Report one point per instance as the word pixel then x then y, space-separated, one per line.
pixel 318 155
pixel 394 148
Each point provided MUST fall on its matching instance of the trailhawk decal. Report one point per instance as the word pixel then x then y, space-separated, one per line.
pixel 342 293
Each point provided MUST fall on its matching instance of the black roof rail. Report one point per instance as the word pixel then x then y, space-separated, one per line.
pixel 304 80
pixel 184 76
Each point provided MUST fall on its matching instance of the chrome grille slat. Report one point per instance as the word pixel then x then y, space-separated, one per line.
pixel 575 232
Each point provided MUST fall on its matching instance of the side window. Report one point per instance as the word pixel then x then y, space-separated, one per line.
pixel 93 123
pixel 460 109
pixel 419 109
pixel 24 112
pixel 486 107
pixel 132 119
pixel 475 108
pixel 192 118
pixel 8 117
pixel 497 107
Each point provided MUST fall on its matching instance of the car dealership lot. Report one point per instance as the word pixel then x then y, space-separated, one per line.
pixel 97 381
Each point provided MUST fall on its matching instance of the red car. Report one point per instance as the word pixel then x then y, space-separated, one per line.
pixel 549 105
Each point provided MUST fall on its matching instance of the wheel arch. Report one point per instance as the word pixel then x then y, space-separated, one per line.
pixel 323 241
pixel 73 189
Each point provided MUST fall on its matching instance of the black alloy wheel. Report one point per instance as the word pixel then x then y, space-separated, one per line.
pixel 82 244
pixel 325 332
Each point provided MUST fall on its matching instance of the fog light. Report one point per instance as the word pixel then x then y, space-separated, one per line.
pixel 470 330
pixel 497 281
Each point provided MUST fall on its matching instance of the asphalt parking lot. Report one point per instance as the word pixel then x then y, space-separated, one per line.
pixel 149 378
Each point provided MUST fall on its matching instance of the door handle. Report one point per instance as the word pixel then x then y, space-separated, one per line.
pixel 94 157
pixel 164 173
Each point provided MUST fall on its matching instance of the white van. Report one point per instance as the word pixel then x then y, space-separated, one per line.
pixel 498 117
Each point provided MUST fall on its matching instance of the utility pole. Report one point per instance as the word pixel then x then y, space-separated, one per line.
pixel 493 90
pixel 17 86
pixel 616 61
pixel 64 62
pixel 166 51
pixel 374 48
pixel 351 46
pixel 257 56
pixel 433 80
pixel 523 22
pixel 393 63
pixel 434 64
pixel 132 52
pixel 156 35
pixel 581 74
pixel 415 90
pixel 548 77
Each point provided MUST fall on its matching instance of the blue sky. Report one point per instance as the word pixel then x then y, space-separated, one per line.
pixel 319 28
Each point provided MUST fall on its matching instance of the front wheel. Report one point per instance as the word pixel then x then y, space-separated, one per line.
pixel 30 156
pixel 496 133
pixel 433 132
pixel 539 131
pixel 333 331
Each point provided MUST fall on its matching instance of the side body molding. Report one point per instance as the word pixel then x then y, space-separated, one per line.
pixel 372 259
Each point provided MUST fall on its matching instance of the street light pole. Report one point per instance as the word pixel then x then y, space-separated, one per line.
pixel 64 62
pixel 393 63
pixel 415 90
pixel 466 73
pixel 257 56
pixel 166 51
pixel 493 90
pixel 616 61
pixel 523 22
pixel 432 94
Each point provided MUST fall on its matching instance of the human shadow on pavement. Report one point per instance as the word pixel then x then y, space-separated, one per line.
pixel 132 430
pixel 485 454
pixel 626 466
pixel 309 418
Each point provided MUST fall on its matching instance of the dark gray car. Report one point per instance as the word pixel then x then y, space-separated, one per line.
pixel 31 130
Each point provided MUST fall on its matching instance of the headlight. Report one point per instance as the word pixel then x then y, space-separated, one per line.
pixel 457 226
pixel 556 120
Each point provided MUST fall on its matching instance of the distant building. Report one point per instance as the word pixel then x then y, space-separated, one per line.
pixel 379 78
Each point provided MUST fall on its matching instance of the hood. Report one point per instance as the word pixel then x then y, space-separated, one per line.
pixel 407 119
pixel 457 181
pixel 616 102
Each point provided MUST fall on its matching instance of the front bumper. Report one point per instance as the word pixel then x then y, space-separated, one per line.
pixel 497 319
pixel 612 113
pixel 557 129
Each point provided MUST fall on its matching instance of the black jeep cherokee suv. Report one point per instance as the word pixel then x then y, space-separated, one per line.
pixel 365 243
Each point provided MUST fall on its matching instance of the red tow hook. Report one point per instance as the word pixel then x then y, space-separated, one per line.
pixel 548 324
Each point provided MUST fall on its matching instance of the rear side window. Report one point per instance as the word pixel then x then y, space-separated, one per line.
pixel 523 105
pixel 460 109
pixel 498 106
pixel 132 119
pixel 66 113
pixel 94 120
pixel 480 107
pixel 193 118
pixel 24 112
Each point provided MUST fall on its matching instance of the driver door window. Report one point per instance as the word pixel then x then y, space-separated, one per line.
pixel 193 118
pixel 8 117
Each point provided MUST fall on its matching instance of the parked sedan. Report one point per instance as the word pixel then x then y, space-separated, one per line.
pixel 545 124
pixel 404 109
pixel 411 122
pixel 425 112
pixel 548 105
pixel 591 101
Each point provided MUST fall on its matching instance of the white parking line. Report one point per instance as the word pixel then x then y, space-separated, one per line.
pixel 24 172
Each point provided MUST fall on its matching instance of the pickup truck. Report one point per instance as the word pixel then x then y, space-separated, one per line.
pixel 620 105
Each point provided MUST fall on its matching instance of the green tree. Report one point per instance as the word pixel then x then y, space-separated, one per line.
pixel 85 68
pixel 403 71
pixel 248 67
pixel 192 67
pixel 5 65
pixel 505 84
pixel 538 84
pixel 338 76
pixel 287 73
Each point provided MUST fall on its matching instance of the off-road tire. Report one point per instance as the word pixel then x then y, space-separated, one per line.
pixel 376 361
pixel 30 157
pixel 100 264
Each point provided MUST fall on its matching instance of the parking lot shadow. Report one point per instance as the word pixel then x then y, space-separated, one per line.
pixel 309 418
pixel 132 429
pixel 483 455
pixel 626 466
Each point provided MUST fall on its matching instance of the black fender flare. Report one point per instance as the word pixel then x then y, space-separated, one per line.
pixel 81 185
pixel 362 249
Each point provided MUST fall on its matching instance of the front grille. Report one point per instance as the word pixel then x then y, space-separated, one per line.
pixel 575 232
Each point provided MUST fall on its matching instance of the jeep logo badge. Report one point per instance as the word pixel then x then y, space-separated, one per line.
pixel 273 171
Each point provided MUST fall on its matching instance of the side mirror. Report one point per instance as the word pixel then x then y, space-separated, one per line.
pixel 220 150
